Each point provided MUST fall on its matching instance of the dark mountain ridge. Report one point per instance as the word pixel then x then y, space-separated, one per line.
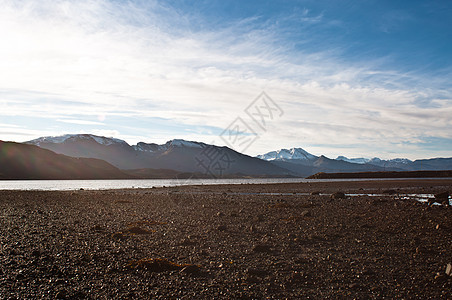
pixel 20 161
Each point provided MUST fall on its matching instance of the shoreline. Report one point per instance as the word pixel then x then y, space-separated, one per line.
pixel 210 241
pixel 85 184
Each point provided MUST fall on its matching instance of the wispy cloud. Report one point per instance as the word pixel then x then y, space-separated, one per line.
pixel 89 62
pixel 80 122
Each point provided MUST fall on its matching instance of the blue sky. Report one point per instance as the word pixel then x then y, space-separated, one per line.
pixel 353 78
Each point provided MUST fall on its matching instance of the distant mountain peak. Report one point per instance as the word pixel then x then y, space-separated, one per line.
pixel 73 137
pixel 288 154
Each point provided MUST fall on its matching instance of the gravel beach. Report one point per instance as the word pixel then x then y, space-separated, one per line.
pixel 336 240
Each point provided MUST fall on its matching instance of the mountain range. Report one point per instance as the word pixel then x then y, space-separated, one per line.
pixel 304 163
pixel 179 155
pixel 101 157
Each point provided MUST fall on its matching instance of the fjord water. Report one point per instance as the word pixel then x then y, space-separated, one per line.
pixel 68 185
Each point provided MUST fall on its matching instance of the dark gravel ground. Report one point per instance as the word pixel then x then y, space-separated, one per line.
pixel 230 242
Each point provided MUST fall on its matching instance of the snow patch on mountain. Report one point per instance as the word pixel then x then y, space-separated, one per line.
pixel 288 154
pixel 107 141
pixel 183 143
pixel 145 147
pixel 354 160
pixel 63 138
pixel 49 139
pixel 380 162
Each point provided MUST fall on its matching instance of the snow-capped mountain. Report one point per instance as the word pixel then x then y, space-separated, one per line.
pixel 73 137
pixel 288 154
pixel 298 160
pixel 177 154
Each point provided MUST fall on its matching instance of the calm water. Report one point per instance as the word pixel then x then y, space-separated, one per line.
pixel 67 185
pixel 64 185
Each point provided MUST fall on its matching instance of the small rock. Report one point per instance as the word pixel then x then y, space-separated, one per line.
pixel 338 195
pixel 442 196
pixel 155 265
pixel 441 277
pixel 13 252
pixel 260 218
pixel 137 230
pixel 187 242
pixel 118 235
pixel 305 213
pixel 111 270
pixel 97 228
pixel 62 294
pixel 449 269
pixel 262 248
pixel 20 276
pixel 252 279
pixel 191 269
pixel 353 285
pixel 367 272
pixel 222 228
pixel 256 272
pixel 220 214
pixel 390 192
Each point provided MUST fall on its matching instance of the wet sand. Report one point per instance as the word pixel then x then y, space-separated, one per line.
pixel 271 241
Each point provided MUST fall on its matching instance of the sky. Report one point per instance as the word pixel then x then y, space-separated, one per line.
pixel 353 78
